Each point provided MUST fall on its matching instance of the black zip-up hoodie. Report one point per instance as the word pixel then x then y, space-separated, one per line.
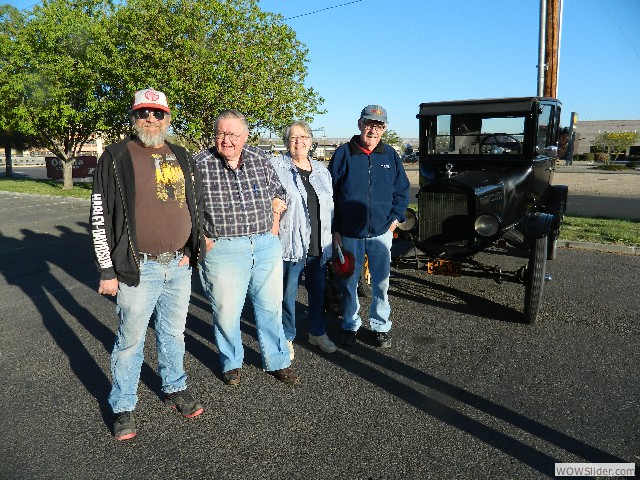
pixel 112 216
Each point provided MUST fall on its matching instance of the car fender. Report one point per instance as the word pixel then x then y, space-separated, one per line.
pixel 557 200
pixel 537 225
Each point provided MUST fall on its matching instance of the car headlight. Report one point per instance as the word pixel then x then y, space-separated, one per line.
pixel 410 222
pixel 487 225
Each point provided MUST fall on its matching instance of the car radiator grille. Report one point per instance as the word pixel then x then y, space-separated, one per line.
pixel 444 218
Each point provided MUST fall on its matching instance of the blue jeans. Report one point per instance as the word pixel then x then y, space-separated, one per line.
pixel 234 267
pixel 378 249
pixel 165 289
pixel 314 280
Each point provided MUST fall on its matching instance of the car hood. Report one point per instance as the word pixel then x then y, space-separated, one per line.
pixel 497 191
pixel 485 179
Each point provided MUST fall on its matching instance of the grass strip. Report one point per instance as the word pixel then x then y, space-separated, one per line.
pixel 45 187
pixel 601 230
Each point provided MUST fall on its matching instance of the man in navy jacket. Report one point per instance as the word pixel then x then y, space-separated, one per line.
pixel 371 195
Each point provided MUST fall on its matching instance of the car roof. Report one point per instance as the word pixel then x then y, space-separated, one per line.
pixel 498 105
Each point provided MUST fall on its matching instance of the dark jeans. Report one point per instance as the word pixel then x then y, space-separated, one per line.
pixel 314 276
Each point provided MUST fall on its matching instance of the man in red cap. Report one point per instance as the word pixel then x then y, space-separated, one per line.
pixel 141 185
pixel 371 195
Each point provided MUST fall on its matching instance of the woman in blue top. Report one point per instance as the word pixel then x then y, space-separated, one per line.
pixel 304 230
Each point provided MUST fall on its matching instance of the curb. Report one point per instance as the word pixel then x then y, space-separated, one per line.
pixel 600 247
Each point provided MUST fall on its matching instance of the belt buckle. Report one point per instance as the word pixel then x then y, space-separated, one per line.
pixel 165 258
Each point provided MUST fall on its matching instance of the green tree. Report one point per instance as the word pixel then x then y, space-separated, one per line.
pixel 615 143
pixel 392 138
pixel 14 140
pixel 208 56
pixel 69 69
pixel 57 57
pixel 11 21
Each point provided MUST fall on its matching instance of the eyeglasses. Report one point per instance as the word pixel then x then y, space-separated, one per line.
pixel 231 136
pixel 378 127
pixel 301 138
pixel 144 113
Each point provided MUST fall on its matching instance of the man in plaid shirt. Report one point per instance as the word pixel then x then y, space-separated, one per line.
pixel 243 255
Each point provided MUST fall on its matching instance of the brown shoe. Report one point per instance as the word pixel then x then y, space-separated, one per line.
pixel 231 377
pixel 286 375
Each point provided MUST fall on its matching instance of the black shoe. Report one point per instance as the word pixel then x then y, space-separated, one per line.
pixel 124 426
pixel 231 377
pixel 382 340
pixel 348 337
pixel 184 403
pixel 286 375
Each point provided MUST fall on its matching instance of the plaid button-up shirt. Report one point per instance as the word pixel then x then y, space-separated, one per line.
pixel 238 202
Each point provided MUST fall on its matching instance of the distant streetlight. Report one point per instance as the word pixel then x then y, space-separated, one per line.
pixel 324 149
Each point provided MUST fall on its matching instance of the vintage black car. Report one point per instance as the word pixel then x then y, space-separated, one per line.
pixel 486 169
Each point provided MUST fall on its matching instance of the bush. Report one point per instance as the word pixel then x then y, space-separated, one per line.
pixel 602 157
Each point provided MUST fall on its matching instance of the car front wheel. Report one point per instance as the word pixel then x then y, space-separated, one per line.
pixel 534 278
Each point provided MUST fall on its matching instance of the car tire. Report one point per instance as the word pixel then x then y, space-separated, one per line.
pixel 558 205
pixel 552 246
pixel 534 278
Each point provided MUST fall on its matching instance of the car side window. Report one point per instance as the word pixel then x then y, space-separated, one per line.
pixel 544 133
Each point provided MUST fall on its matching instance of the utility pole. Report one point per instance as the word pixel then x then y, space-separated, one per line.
pixel 552 43
pixel 541 47
pixel 549 47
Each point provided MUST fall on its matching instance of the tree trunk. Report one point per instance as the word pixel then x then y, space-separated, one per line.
pixel 67 174
pixel 9 162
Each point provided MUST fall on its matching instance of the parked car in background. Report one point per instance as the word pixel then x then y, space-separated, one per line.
pixel 486 171
pixel 409 155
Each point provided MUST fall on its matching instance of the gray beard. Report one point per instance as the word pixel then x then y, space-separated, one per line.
pixel 151 140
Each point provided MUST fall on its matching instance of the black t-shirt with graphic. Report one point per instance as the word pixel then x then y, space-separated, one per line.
pixel 163 222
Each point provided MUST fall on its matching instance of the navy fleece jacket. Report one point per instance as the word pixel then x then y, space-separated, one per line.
pixel 369 191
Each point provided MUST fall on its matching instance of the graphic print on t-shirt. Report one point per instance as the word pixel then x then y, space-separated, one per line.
pixel 169 178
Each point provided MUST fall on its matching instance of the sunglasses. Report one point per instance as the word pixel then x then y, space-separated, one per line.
pixel 144 113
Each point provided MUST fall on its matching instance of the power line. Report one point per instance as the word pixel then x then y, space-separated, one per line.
pixel 620 29
pixel 322 10
pixel 29 8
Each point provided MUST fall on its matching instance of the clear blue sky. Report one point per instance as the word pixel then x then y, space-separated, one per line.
pixel 403 52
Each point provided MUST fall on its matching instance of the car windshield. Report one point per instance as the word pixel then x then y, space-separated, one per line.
pixel 479 134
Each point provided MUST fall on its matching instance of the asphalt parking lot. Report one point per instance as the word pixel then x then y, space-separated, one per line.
pixel 466 391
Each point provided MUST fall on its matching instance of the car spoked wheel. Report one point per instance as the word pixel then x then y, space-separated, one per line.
pixel 534 278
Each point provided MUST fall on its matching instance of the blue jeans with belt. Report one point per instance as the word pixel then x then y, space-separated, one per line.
pixel 165 289
pixel 234 268
pixel 314 278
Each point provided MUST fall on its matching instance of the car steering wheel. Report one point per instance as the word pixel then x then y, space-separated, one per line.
pixel 503 144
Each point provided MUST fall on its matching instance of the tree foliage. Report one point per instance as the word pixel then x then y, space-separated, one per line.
pixel 208 56
pixel 392 138
pixel 70 68
pixel 55 77
pixel 615 143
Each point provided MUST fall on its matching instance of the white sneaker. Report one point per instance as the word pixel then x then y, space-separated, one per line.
pixel 323 342
pixel 292 354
